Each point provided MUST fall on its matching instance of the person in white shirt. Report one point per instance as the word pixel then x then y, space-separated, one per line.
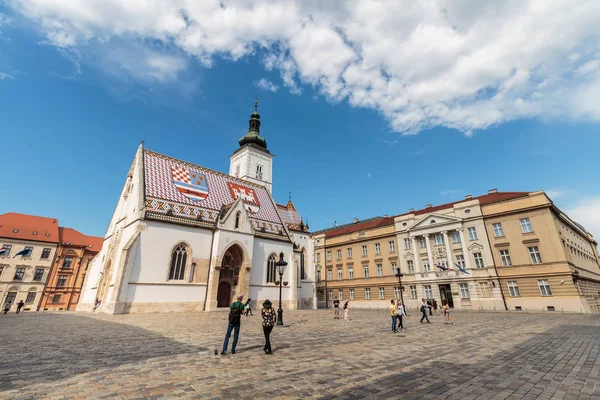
pixel 399 313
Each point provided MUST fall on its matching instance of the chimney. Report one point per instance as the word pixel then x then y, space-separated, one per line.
pixel 492 191
pixel 355 220
pixel 428 206
pixel 468 197
pixel 411 210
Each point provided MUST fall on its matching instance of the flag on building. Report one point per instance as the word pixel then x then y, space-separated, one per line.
pixel 23 253
pixel 442 267
pixel 2 251
pixel 461 269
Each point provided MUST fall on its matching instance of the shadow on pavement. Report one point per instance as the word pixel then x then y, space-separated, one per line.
pixel 92 344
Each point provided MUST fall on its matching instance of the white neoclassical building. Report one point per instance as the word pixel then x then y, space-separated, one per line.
pixel 187 238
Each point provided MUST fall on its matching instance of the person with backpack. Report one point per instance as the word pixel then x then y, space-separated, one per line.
pixel 235 313
pixel 268 321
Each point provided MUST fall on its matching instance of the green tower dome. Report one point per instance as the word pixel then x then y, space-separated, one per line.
pixel 253 135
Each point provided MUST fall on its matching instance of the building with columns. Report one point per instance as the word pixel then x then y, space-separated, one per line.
pixel 459 252
pixel 187 238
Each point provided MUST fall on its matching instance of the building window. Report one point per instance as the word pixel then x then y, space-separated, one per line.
pixel 341 294
pixel 30 297
pixel 318 275
pixel 428 292
pixel 19 274
pixel 426 267
pixel 505 256
pixel 368 294
pixel 39 274
pixel 302 267
pixel 339 255
pixel 413 292
pixel 534 253
pixel 498 231
pixel 472 233
pixel 56 299
pixel 237 220
pixel 46 253
pixel 351 294
pixel 259 172
pixel 392 246
pixel 318 257
pixel 349 252
pixel 381 293
pixel 438 239
pixel 406 244
pixel 396 292
pixel 7 248
pixel 328 255
pixel 62 281
pixel 478 260
pixel 422 243
pixel 27 252
pixel 377 248
pixel 395 268
pixel 339 274
pixel 67 261
pixel 364 250
pixel 366 271
pixel 526 225
pixel 460 260
pixel 350 273
pixel 329 275
pixel 237 170
pixel 464 291
pixel 330 295
pixel 485 289
pixel 513 289
pixel 411 266
pixel 379 270
pixel 455 237
pixel 544 286
pixel 178 263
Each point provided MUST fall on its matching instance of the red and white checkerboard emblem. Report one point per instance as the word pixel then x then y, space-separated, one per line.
pixel 191 184
pixel 248 195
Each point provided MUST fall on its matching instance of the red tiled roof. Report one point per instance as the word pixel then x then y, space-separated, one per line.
pixel 360 226
pixel 71 236
pixel 290 216
pixel 29 227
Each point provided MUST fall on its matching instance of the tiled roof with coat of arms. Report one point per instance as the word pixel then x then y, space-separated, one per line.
pixel 179 188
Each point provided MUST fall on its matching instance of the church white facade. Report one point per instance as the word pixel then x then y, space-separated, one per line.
pixel 187 238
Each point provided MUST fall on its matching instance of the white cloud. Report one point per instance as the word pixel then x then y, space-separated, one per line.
pixel 587 213
pixel 4 75
pixel 4 20
pixel 265 84
pixel 462 64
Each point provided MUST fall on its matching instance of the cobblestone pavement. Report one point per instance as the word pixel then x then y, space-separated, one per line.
pixel 153 356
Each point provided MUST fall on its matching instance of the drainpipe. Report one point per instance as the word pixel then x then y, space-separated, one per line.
pixel 212 240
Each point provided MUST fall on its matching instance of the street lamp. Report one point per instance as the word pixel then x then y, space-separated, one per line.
pixel 399 275
pixel 281 269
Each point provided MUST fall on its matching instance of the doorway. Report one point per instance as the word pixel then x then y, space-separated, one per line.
pixel 446 294
pixel 223 294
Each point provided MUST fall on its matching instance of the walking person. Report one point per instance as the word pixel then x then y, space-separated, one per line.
pixel 248 307
pixel 235 312
pixel 430 306
pixel 268 321
pixel 7 307
pixel 399 313
pixel 446 307
pixel 393 313
pixel 424 311
pixel 336 308
pixel 346 306
pixel 20 305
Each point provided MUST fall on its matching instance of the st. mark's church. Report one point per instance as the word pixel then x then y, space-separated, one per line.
pixel 187 238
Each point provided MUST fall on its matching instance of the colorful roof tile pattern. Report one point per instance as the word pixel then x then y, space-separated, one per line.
pixel 164 196
pixel 28 227
pixel 291 217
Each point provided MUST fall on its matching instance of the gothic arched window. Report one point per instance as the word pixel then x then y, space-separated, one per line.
pixel 178 262
pixel 271 269
pixel 302 268
pixel 237 220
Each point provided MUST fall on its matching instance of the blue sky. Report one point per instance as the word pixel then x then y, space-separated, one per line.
pixel 76 100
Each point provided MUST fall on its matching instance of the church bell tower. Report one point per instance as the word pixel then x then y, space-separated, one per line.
pixel 252 161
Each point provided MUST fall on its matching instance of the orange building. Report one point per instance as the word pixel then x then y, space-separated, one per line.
pixel 75 251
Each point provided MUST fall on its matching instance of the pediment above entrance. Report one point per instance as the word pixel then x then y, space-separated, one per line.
pixel 475 247
pixel 234 217
pixel 434 221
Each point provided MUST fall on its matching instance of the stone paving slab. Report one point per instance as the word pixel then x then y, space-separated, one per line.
pixel 164 356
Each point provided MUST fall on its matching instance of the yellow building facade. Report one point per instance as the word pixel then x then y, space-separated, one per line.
pixel 460 252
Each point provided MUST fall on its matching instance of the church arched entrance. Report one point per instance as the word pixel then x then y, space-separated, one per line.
pixel 229 275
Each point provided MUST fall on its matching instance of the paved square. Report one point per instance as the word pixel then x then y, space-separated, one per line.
pixel 153 356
